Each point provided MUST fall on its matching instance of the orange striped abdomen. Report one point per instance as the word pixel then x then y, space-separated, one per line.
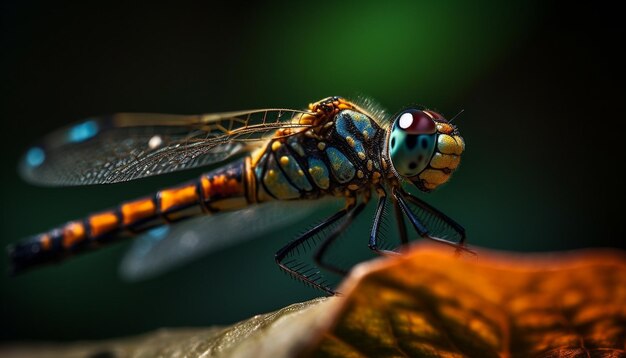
pixel 222 189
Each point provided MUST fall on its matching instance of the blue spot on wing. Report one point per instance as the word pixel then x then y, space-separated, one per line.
pixel 83 131
pixel 35 157
pixel 159 232
pixel 152 238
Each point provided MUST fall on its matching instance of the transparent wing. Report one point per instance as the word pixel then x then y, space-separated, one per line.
pixel 170 246
pixel 128 146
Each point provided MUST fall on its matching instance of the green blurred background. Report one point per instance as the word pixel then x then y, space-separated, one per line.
pixel 541 85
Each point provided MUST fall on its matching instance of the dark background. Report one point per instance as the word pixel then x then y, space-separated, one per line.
pixel 542 87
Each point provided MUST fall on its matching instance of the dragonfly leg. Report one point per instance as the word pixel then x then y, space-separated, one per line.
pixel 297 270
pixel 374 234
pixel 404 238
pixel 401 197
pixel 321 251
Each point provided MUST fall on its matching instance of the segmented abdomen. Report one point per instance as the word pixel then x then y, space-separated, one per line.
pixel 222 189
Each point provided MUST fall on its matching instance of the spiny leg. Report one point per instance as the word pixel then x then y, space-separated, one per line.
pixel 312 279
pixel 404 238
pixel 425 206
pixel 321 251
pixel 374 234
pixel 421 229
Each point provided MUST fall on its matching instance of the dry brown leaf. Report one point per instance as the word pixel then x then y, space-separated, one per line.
pixel 426 303
pixel 283 333
pixel 430 304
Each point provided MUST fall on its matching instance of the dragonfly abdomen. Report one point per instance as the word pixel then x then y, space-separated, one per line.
pixel 222 189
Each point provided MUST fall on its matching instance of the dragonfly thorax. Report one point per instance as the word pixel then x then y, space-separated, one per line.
pixel 342 155
pixel 424 147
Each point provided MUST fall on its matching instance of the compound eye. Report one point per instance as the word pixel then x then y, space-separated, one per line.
pixel 436 116
pixel 414 121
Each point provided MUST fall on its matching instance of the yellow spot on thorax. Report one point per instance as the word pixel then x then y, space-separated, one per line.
pixel 316 172
pixel 276 145
pixel 284 160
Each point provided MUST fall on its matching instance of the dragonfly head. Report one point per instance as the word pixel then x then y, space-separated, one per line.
pixel 424 147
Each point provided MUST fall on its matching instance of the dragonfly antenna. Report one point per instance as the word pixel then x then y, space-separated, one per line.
pixel 458 114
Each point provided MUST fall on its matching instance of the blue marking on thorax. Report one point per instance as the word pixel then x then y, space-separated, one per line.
pixel 294 172
pixel 341 124
pixel 363 124
pixel 83 131
pixel 358 146
pixel 343 130
pixel 295 145
pixel 276 182
pixel 340 165
pixel 319 172
pixel 35 157
pixel 360 121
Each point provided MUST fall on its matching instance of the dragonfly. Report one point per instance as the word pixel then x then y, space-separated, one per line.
pixel 269 165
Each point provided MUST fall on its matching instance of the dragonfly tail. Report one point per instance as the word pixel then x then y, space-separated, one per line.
pixel 27 253
pixel 219 190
